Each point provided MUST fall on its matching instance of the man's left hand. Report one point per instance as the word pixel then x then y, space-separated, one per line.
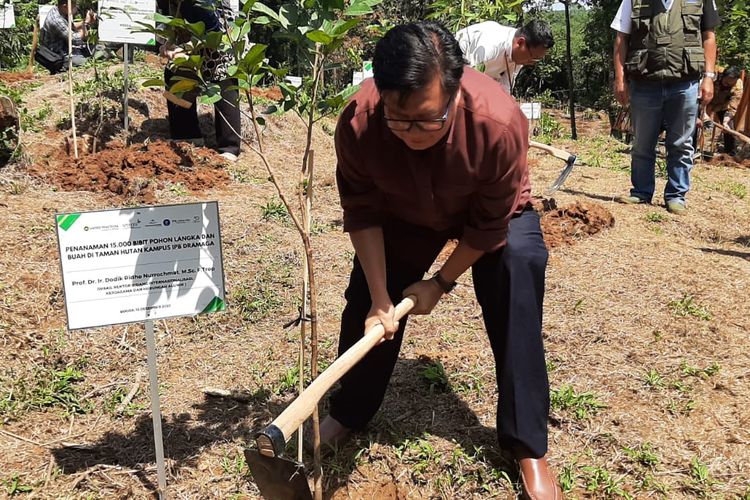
pixel 707 91
pixel 428 294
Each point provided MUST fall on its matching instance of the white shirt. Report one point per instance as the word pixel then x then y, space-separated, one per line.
pixel 491 44
pixel 624 15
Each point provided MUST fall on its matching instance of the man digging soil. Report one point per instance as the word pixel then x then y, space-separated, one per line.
pixel 430 151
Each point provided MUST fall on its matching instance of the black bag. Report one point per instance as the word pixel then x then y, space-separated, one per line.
pixel 50 60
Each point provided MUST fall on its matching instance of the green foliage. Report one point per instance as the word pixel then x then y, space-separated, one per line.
pixel 733 33
pixel 582 405
pixel 434 375
pixel 15 43
pixel 15 486
pixel 642 454
pixel 50 388
pixel 601 481
pixel 549 129
pixel 456 15
pixel 655 217
pixel 274 210
pixel 686 306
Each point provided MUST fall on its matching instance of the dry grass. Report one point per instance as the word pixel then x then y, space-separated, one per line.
pixel 648 402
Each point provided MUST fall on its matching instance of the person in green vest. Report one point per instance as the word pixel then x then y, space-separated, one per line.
pixel 664 57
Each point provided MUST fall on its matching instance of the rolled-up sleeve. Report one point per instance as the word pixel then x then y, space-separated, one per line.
pixel 501 184
pixel 361 200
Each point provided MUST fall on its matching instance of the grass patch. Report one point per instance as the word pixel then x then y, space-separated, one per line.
pixel 686 306
pixel 435 377
pixel 734 188
pixel 273 210
pixel 642 454
pixel 583 405
pixel 49 388
pixel 655 217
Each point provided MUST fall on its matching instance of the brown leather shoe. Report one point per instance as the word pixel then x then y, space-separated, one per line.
pixel 537 480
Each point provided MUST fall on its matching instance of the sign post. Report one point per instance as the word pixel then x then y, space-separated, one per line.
pixel 137 265
pixel 153 378
pixel 118 19
pixel 125 92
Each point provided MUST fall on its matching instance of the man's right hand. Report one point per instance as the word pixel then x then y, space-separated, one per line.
pixel 383 314
pixel 621 92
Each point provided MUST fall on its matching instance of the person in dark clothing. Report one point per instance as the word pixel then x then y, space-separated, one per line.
pixel 429 151
pixel 183 122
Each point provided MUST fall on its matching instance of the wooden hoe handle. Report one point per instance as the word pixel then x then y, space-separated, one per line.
pixel 557 153
pixel 739 135
pixel 272 440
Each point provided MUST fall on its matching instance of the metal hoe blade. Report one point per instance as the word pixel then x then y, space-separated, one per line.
pixel 563 175
pixel 278 478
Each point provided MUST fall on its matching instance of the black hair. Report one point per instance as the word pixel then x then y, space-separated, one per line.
pixel 409 56
pixel 731 72
pixel 537 34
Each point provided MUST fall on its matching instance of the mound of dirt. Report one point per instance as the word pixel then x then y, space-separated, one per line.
pixel 725 160
pixel 137 171
pixel 569 224
pixel 10 77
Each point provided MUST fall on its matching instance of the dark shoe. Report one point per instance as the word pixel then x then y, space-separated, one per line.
pixel 676 207
pixel 537 480
pixel 631 200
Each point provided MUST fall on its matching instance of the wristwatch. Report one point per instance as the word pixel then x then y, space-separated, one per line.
pixel 710 74
pixel 447 287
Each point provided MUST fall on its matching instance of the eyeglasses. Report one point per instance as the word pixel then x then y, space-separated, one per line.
pixel 532 57
pixel 424 125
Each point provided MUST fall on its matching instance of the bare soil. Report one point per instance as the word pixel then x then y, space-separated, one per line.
pixel 645 328
pixel 134 172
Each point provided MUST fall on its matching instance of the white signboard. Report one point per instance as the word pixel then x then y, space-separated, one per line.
pixel 294 81
pixel 366 69
pixel 43 11
pixel 532 110
pixel 138 264
pixel 357 77
pixel 7 17
pixel 118 18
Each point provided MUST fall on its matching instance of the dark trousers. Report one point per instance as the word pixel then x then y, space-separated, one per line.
pixel 509 285
pixel 183 123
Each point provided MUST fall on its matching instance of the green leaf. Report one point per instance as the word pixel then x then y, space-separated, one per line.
pixel 358 8
pixel 319 37
pixel 232 70
pixel 261 121
pixel 264 9
pixel 160 18
pixel 198 29
pixel 254 56
pixel 154 82
pixel 342 27
pixel 209 99
pixel 183 86
pixel 246 6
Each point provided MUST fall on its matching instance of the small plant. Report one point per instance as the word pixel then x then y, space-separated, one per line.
pixel 699 473
pixel 289 381
pixel 273 210
pixel 686 306
pixel 116 399
pixel 14 486
pixel 692 371
pixel 178 188
pixel 661 168
pixel 643 454
pixel 655 217
pixel 583 405
pixel 579 306
pixel 734 188
pixel 599 480
pixel 435 376
pixel 653 379
pixel 567 477
pixel 234 466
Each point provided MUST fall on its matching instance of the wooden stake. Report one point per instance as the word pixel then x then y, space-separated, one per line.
pixel 70 78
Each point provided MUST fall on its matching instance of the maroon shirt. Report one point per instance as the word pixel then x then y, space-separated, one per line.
pixel 472 181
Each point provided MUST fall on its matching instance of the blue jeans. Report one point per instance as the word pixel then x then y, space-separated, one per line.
pixel 655 106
